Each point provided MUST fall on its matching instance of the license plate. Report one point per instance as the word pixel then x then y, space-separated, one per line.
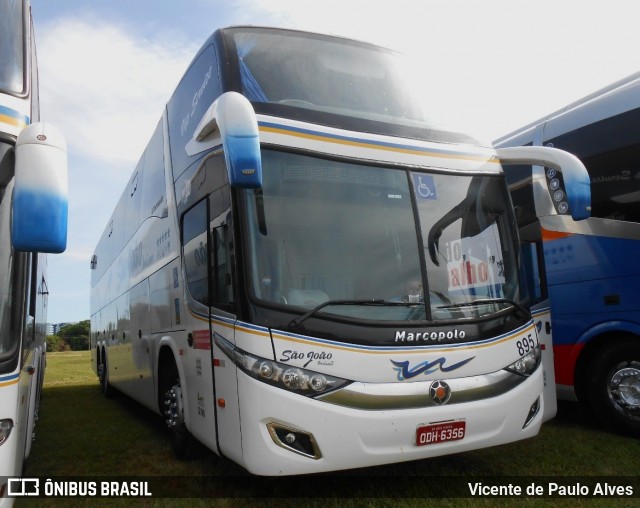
pixel 440 432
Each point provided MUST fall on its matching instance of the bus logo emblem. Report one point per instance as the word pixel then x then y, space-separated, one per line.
pixel 440 393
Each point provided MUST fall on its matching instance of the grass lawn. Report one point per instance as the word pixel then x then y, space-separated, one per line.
pixel 83 435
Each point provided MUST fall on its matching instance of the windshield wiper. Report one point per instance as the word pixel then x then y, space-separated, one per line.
pixel 484 301
pixel 297 322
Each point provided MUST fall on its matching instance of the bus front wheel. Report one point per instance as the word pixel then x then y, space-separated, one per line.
pixel 172 409
pixel 614 386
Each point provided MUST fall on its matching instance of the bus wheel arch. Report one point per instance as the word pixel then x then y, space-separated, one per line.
pixel 608 379
pixel 171 404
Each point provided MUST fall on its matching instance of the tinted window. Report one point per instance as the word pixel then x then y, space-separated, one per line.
pixel 332 74
pixel 200 249
pixel 35 85
pixel 199 87
pixel 615 184
pixel 519 180
pixel 153 201
pixel 334 81
pixel 520 184
pixel 200 180
pixel 7 337
pixel 12 46
pixel 221 267
pixel 195 246
pixel 611 153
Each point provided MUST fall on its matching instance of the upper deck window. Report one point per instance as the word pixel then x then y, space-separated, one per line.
pixel 12 47
pixel 330 80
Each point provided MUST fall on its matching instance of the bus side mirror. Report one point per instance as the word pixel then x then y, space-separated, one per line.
pixel 40 204
pixel 576 178
pixel 231 121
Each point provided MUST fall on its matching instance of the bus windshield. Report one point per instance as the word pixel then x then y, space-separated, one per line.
pixel 11 47
pixel 329 231
pixel 358 80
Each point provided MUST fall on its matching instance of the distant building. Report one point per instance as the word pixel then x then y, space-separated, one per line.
pixel 54 328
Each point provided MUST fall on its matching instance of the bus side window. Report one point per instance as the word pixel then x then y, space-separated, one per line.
pixel 532 265
pixel 208 259
pixel 222 252
pixel 195 246
pixel 519 179
pixel 615 183
pixel 221 261
pixel 197 90
pixel 153 201
pixel 610 151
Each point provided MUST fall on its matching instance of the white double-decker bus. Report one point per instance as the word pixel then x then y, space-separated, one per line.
pixel 33 221
pixel 305 275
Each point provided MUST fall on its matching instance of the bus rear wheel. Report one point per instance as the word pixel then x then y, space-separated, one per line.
pixel 103 377
pixel 614 386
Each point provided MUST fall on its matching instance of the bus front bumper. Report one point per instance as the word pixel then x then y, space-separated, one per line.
pixel 283 434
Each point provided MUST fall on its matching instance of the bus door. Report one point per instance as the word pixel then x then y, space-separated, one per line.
pixel 223 324
pixel 545 199
pixel 521 187
pixel 30 355
pixel 535 276
pixel 207 238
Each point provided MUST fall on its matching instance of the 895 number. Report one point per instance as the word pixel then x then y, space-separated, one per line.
pixel 527 344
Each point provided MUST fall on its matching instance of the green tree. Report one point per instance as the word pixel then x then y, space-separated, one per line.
pixel 76 335
pixel 55 344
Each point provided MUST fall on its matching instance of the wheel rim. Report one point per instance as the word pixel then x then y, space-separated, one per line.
pixel 173 414
pixel 101 370
pixel 624 389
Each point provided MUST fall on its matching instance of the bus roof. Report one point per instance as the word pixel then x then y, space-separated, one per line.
pixel 373 91
pixel 603 103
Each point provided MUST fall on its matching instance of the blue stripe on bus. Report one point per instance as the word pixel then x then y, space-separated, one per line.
pixel 6 111
pixel 8 380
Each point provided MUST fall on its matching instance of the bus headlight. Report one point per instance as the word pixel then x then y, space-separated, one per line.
pixel 294 379
pixel 526 365
pixel 5 429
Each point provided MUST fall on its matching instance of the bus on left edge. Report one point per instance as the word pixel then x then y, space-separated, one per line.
pixel 33 222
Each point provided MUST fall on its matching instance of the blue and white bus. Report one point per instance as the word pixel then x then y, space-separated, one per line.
pixel 589 270
pixel 33 221
pixel 305 274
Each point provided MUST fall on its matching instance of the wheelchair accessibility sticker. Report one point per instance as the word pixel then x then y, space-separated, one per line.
pixel 425 186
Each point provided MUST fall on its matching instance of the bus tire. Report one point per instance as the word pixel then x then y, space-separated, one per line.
pixel 613 387
pixel 103 377
pixel 172 411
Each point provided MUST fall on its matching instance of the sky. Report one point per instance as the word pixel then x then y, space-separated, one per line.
pixel 108 67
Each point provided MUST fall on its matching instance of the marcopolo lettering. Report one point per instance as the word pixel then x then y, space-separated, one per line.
pixel 433 336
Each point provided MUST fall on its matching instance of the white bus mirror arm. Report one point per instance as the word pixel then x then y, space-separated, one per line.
pixel 231 122
pixel 541 156
pixel 574 173
pixel 230 114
